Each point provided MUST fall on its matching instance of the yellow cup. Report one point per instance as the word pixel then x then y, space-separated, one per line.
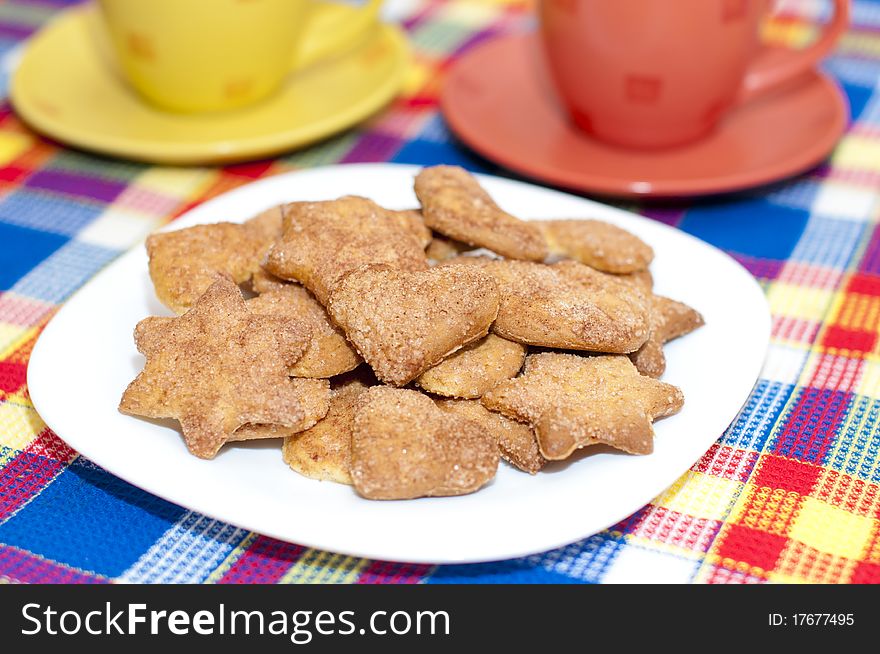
pixel 212 55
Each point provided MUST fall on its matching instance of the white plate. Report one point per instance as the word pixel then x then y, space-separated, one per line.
pixel 86 357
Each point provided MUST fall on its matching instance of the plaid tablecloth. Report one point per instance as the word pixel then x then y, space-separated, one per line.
pixel 788 493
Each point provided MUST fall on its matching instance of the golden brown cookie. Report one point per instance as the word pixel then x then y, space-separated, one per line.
pixel 266 282
pixel 184 263
pixel 516 440
pixel 403 446
pixel 475 368
pixel 329 353
pixel 324 451
pixel 441 248
pixel 454 204
pixel 669 320
pixel 566 305
pixel 266 226
pixel 218 367
pixel 643 280
pixel 314 398
pixel 402 323
pixel 598 244
pixel 574 401
pixel 412 220
pixel 322 241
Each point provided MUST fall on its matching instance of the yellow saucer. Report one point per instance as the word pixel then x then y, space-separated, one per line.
pixel 67 88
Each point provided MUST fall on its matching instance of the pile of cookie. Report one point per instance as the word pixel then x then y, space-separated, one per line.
pixel 390 354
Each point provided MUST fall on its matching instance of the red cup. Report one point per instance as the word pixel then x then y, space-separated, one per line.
pixel 660 73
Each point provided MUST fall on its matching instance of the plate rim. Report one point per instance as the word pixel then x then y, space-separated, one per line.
pixel 193 217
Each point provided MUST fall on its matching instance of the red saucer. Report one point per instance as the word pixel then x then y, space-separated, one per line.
pixel 498 99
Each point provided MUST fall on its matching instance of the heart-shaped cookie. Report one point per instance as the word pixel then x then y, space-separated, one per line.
pixel 402 323
pixel 324 241
pixel 404 446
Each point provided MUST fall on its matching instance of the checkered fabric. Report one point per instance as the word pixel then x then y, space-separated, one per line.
pixel 788 493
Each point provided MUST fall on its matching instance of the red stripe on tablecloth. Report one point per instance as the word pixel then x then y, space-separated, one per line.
pixel 387 572
pixel 23 567
pixel 12 376
pixel 31 471
pixel 813 565
pixel 679 529
pixel 811 275
pixel 727 462
pixel 794 329
pixel 719 575
pixel 265 562
pixel 851 494
pixel 787 474
pixel 866 573
pixel 751 546
pixel 864 284
pixel 48 444
pixel 250 170
pixel 854 340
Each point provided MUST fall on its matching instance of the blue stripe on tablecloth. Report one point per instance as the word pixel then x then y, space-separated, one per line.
pixel 91 520
pixel 64 271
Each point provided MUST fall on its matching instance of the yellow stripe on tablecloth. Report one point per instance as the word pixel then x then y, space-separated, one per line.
pixel 417 75
pixel 861 154
pixel 800 302
pixel 765 509
pixel 12 337
pixel 12 144
pixel 872 554
pixel 779 578
pixel 701 495
pixel 184 183
pixel 830 529
pixel 19 425
pixel 860 312
pixel 319 567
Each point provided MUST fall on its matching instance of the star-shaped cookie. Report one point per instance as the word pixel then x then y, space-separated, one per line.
pixel 218 367
pixel 669 320
pixel 516 440
pixel 574 401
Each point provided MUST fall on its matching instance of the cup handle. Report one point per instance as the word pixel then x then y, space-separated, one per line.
pixel 778 65
pixel 333 29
